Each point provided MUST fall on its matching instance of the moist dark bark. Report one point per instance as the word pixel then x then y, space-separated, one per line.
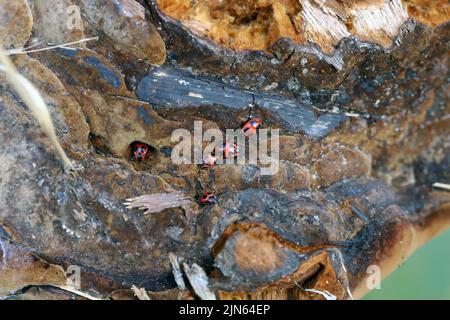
pixel 364 135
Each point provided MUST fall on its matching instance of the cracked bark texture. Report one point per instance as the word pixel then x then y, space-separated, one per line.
pixel 364 122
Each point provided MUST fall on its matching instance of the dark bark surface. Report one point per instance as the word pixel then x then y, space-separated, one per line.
pixel 364 135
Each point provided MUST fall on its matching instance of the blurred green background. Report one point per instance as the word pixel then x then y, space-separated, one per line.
pixel 425 275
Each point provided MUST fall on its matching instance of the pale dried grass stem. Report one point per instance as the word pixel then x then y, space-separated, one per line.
pixel 33 99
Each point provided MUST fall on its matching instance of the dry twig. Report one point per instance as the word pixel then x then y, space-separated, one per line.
pixel 140 293
pixel 33 99
pixel 199 281
pixel 157 202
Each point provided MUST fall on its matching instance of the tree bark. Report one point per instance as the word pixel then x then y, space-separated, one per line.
pixel 358 90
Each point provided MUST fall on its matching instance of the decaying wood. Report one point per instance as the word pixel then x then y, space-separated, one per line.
pixel 358 89
pixel 199 281
pixel 175 90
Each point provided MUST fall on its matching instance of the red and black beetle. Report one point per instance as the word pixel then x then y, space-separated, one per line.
pixel 208 198
pixel 208 161
pixel 250 127
pixel 139 151
pixel 229 150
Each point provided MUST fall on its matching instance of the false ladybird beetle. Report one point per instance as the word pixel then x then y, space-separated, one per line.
pixel 139 151
pixel 250 127
pixel 208 198
pixel 229 150
pixel 208 161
